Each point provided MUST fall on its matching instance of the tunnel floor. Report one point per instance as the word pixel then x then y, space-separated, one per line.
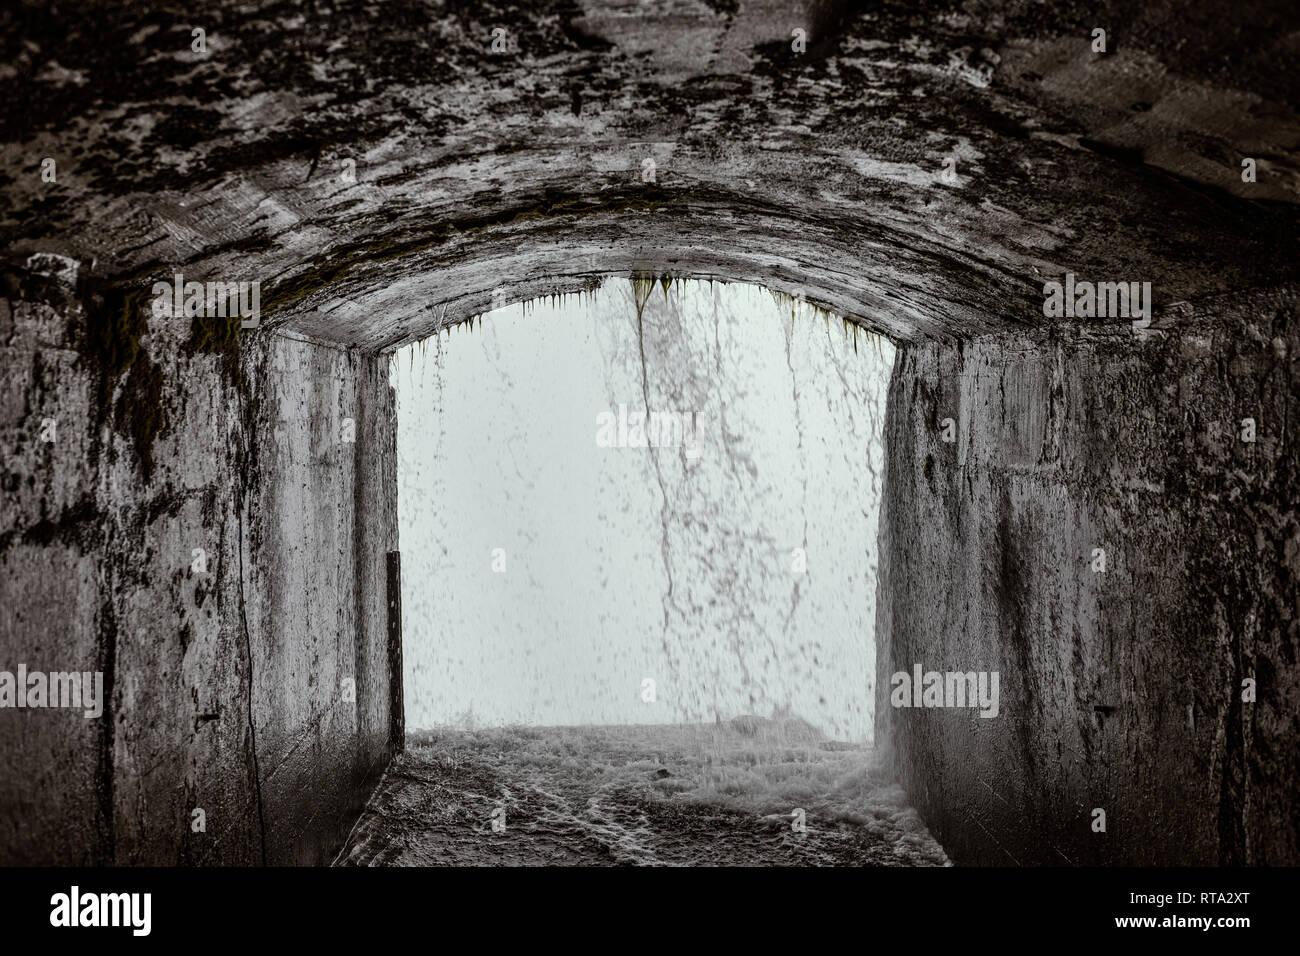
pixel 691 795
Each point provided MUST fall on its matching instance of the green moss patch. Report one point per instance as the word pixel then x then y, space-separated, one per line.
pixel 111 336
pixel 139 413
pixel 219 336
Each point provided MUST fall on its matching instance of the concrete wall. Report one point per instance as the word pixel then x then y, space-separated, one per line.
pixel 481 172
pixel 224 689
pixel 1120 690
pixel 227 689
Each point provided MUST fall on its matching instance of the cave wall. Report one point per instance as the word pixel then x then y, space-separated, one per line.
pixel 225 688
pixel 389 169
pixel 1120 690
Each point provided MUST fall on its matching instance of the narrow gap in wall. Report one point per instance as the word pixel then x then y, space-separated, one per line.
pixel 638 532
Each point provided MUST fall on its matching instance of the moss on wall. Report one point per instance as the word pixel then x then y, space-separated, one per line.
pixel 219 336
pixel 130 388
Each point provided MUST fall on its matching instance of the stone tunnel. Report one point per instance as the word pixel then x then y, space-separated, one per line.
pixel 205 512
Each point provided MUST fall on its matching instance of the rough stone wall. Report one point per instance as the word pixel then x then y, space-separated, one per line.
pixel 481 173
pixel 325 524
pixel 223 689
pixel 1120 690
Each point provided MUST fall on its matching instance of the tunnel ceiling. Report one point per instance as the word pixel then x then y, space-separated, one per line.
pixel 522 171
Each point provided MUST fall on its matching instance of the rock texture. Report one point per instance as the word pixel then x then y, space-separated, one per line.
pixel 1120 690
pixel 224 687
pixel 522 170
pixel 385 169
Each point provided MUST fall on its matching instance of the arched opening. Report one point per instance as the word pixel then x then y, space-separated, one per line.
pixel 1100 507
pixel 639 531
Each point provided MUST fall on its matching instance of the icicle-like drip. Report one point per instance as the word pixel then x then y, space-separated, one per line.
pixel 643 284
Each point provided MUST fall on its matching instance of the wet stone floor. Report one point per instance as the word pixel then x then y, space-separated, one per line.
pixel 749 792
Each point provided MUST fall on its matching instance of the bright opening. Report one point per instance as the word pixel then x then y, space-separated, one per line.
pixel 638 534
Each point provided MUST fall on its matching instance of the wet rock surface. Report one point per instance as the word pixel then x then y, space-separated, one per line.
pixel 1158 684
pixel 223 569
pixel 487 176
pixel 634 796
pixel 515 162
